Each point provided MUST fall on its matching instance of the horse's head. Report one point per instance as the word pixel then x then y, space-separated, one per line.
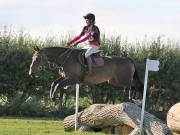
pixel 39 61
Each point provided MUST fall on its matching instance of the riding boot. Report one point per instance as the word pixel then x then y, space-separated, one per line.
pixel 89 63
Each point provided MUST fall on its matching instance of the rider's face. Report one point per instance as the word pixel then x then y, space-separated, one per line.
pixel 88 22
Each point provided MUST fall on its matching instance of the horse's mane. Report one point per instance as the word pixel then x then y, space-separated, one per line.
pixel 56 48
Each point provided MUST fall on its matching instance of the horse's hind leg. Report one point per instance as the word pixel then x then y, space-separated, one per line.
pixel 130 92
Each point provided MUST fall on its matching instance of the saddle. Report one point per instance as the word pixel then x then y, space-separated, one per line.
pixel 96 58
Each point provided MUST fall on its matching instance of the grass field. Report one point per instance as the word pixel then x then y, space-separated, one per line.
pixel 35 126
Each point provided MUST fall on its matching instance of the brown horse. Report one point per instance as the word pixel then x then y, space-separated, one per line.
pixel 118 71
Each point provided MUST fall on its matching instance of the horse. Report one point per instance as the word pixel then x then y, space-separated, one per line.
pixel 117 71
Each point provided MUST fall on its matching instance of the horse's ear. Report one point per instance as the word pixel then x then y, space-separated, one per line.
pixel 36 48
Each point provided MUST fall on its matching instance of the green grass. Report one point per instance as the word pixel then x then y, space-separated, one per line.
pixel 29 126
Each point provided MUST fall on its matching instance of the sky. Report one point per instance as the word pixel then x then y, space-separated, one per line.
pixel 132 19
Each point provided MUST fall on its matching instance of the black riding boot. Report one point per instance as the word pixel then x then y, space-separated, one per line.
pixel 89 63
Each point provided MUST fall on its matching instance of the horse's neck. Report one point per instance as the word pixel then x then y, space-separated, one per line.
pixel 56 54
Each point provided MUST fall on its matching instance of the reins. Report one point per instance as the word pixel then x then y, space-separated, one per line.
pixel 69 51
pixel 54 64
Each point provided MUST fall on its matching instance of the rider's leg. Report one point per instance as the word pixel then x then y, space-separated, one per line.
pixel 92 49
pixel 89 62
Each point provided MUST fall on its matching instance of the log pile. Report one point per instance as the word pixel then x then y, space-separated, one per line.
pixel 110 119
pixel 173 119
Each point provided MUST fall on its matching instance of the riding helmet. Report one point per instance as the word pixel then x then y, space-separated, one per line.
pixel 90 16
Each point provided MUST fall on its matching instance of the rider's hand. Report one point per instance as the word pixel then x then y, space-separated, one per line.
pixel 68 43
pixel 76 43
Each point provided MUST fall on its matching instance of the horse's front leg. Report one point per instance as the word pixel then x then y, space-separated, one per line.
pixel 64 82
pixel 54 86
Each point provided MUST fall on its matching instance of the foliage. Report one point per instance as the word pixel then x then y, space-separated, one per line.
pixel 22 95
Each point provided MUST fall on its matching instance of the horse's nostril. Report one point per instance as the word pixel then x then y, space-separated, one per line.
pixel 31 75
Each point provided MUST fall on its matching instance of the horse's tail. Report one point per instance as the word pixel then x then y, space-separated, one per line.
pixel 137 81
pixel 136 74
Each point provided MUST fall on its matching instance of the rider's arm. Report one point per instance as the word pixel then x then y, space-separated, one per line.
pixel 85 38
pixel 78 37
pixel 75 39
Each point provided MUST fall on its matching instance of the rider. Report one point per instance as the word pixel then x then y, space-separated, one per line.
pixel 91 33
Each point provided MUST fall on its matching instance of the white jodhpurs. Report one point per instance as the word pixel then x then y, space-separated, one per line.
pixel 92 49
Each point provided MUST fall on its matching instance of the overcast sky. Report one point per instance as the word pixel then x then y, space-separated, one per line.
pixel 130 18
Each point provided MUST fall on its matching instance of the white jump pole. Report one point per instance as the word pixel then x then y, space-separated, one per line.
pixel 77 104
pixel 144 99
pixel 151 65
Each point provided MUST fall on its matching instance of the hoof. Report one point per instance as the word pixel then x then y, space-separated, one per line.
pixel 56 101
pixel 137 101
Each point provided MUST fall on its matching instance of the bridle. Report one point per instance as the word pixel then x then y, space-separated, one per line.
pixel 53 64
